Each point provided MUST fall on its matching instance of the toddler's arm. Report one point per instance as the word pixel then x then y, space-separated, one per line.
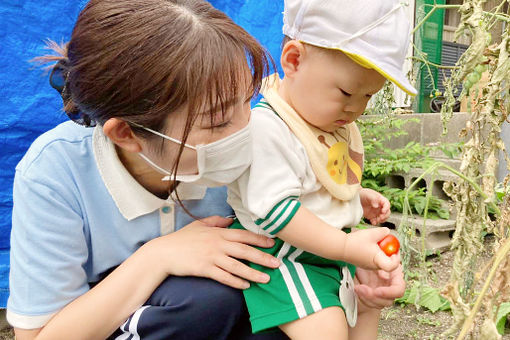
pixel 308 232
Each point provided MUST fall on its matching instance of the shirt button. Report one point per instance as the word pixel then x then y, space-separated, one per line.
pixel 166 210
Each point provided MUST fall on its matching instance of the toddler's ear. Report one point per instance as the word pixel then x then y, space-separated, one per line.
pixel 292 56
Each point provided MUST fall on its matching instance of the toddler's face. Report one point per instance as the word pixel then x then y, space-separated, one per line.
pixel 330 90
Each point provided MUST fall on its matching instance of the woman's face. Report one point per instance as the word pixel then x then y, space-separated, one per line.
pixel 203 131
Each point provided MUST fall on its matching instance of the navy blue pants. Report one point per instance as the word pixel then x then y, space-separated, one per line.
pixel 192 308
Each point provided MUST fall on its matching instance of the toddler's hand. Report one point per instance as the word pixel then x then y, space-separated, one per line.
pixel 361 249
pixel 376 207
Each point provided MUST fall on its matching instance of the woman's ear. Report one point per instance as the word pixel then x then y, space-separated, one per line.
pixel 120 134
pixel 292 56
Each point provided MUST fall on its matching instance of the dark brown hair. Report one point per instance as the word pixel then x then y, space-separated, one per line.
pixel 142 60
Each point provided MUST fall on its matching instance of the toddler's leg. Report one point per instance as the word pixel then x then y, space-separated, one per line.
pixel 328 323
pixel 366 326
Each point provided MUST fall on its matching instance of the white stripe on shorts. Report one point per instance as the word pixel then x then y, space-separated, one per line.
pixel 294 294
pixel 133 325
pixel 316 305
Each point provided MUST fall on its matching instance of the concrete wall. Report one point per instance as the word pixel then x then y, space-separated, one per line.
pixel 429 130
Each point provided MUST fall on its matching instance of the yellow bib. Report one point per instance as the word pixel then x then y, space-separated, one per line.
pixel 336 157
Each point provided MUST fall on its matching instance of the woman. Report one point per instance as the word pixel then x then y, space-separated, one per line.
pixel 96 231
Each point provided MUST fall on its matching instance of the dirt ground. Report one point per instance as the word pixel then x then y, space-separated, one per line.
pixel 403 323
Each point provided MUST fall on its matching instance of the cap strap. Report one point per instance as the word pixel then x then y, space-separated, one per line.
pixel 295 31
pixel 373 24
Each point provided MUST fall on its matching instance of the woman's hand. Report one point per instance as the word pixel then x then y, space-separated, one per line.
pixel 377 289
pixel 376 207
pixel 206 248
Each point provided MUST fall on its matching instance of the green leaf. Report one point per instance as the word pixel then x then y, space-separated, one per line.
pixel 419 204
pixel 432 300
pixel 500 195
pixel 443 213
pixel 503 312
pixel 426 297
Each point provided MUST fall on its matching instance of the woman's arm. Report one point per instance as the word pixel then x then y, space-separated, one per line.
pixel 308 232
pixel 203 248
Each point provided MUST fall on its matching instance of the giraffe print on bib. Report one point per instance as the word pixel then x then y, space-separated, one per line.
pixel 344 165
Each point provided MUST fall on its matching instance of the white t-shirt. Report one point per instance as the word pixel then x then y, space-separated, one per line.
pixel 280 179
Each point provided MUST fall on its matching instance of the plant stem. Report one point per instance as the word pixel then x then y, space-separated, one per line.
pixel 429 14
pixel 425 215
pixel 500 256
pixel 474 185
pixel 461 175
pixel 436 65
pixel 426 63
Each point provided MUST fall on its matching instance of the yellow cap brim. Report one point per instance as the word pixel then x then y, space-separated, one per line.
pixel 364 62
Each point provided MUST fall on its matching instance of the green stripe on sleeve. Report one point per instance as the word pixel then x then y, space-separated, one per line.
pixel 278 207
pixel 279 216
pixel 290 216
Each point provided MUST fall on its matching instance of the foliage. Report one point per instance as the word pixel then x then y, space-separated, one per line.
pixel 501 191
pixel 383 101
pixel 475 194
pixel 381 161
pixel 424 296
pixel 501 318
pixel 417 199
pixel 475 190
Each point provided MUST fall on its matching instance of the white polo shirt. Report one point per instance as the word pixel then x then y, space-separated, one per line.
pixel 78 213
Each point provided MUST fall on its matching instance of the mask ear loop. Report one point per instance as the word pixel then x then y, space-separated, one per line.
pixel 164 136
pixel 157 167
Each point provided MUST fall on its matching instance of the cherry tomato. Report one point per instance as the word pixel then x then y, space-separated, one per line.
pixel 389 245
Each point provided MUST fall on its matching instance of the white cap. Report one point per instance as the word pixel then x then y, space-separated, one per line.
pixel 374 33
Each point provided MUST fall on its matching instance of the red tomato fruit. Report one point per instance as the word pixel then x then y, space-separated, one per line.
pixel 389 245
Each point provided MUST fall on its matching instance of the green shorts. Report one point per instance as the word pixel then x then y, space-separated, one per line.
pixel 302 285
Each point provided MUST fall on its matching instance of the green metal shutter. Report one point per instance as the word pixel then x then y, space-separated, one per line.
pixel 429 39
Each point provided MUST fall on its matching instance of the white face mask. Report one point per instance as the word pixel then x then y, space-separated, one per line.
pixel 219 163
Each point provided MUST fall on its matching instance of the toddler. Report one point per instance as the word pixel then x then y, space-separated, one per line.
pixel 303 186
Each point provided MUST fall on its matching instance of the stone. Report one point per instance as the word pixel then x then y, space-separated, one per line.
pixel 437 233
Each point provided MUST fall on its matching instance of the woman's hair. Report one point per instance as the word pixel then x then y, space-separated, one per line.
pixel 142 60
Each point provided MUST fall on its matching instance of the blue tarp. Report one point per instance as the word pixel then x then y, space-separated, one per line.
pixel 29 106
